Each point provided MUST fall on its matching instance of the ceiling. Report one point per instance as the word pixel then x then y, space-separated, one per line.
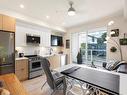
pixel 35 11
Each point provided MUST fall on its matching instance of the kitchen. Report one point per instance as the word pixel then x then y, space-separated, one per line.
pixel 63 47
pixel 44 46
pixel 29 43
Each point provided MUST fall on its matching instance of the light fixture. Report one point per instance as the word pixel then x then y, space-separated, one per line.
pixel 111 23
pixel 117 45
pixel 107 38
pixel 112 32
pixel 71 10
pixel 47 17
pixel 21 6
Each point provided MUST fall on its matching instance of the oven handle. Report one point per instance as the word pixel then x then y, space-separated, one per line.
pixel 35 61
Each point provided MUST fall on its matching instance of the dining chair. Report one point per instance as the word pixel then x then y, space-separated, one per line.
pixel 56 80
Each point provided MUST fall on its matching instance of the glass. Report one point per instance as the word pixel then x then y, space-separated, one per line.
pixel 90 45
pixel 96 47
pixel 36 65
pixel 83 46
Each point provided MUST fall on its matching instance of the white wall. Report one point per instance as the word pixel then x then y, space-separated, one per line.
pixel 120 23
pixel 23 28
pixel 125 9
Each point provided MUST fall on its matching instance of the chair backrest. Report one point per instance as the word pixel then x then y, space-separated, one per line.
pixel 46 68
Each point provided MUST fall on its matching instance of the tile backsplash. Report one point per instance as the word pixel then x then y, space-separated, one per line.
pixel 36 50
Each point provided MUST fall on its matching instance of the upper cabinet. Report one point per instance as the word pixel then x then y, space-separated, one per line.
pixel 22 30
pixel 46 39
pixel 7 23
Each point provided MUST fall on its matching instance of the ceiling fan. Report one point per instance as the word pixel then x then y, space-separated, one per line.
pixel 71 10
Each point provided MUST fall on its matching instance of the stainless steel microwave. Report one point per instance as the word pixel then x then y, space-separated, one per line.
pixel 32 39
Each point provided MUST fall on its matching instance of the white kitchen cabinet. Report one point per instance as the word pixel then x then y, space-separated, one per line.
pixel 46 38
pixel 21 32
pixel 20 36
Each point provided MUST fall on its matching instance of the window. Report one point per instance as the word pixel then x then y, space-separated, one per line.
pixel 92 46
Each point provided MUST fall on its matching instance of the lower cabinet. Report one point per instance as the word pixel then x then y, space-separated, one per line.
pixel 54 61
pixel 57 60
pixel 21 69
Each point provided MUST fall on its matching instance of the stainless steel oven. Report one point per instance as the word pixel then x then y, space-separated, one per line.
pixel 35 66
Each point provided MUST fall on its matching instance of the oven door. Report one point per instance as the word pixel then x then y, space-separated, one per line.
pixel 36 65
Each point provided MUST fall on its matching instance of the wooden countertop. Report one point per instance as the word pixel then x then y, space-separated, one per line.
pixel 13 84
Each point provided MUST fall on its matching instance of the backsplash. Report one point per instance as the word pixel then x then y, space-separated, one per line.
pixel 36 50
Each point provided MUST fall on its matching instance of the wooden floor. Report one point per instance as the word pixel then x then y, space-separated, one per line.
pixel 33 86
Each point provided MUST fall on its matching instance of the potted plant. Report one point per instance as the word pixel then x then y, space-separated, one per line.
pixel 79 57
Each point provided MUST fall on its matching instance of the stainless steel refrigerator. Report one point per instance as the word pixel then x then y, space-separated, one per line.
pixel 7 52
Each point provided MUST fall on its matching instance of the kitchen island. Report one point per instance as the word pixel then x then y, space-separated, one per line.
pixel 12 84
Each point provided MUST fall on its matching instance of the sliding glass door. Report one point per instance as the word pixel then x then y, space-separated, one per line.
pixel 91 46
pixel 83 46
pixel 96 47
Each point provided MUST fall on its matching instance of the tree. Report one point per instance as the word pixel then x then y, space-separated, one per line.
pixel 83 45
pixel 102 39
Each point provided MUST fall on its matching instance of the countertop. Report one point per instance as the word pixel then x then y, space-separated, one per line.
pixel 55 54
pixel 13 84
pixel 21 58
pixel 45 55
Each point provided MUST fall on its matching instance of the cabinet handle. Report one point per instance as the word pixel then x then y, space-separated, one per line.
pixel 22 69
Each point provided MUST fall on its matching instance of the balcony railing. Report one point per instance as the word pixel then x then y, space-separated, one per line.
pixel 93 55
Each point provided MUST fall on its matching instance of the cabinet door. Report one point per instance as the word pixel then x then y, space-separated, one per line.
pixel 20 36
pixel 8 23
pixel 46 39
pixel 0 22
pixel 21 69
pixel 20 74
pixel 21 64
pixel 54 61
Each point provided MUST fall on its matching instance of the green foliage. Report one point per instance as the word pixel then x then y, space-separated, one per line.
pixel 83 45
pixel 104 36
pixel 102 39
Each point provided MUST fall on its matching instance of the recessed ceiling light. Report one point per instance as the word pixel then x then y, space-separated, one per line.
pixel 47 17
pixel 21 6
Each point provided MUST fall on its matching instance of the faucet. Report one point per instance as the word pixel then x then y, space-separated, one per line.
pixel 50 51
